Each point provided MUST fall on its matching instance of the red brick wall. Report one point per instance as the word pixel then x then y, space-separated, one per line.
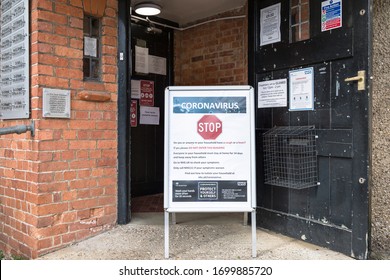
pixel 60 186
pixel 18 176
pixel 214 53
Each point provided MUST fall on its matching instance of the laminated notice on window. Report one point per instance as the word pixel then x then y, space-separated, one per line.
pixel 14 59
pixel 270 25
pixel 331 14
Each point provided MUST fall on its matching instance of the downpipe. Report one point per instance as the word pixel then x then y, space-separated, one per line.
pixel 19 129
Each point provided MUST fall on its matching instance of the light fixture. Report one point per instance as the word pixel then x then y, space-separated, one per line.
pixel 147 9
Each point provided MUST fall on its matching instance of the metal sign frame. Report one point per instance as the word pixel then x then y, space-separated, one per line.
pixel 231 186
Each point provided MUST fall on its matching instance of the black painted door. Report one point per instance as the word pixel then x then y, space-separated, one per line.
pixel 332 37
pixel 147 140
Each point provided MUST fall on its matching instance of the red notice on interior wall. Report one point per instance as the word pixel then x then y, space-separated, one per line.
pixel 133 113
pixel 147 93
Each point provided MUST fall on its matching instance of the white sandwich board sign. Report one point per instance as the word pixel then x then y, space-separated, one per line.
pixel 209 149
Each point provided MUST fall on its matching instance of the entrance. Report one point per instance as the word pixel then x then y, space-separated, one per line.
pixel 150 45
pixel 327 42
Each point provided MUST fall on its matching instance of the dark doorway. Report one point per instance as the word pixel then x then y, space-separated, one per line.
pixel 335 212
pixel 146 139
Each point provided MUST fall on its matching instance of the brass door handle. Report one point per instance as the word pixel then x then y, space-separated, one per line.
pixel 352 79
pixel 360 78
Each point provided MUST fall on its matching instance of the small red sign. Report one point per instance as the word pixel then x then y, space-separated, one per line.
pixel 147 93
pixel 133 113
pixel 209 127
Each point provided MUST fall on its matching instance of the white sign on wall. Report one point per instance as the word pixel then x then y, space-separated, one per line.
pixel 209 149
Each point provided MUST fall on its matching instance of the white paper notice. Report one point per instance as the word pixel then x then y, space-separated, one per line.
pixel 135 89
pixel 270 25
pixel 90 46
pixel 301 89
pixel 272 94
pixel 149 115
pixel 157 65
pixel 141 60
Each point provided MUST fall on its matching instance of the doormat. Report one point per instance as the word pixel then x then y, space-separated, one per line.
pixel 148 203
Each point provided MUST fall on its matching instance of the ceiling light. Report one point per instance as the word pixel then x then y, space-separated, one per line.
pixel 147 9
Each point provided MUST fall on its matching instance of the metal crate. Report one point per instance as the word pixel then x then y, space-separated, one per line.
pixel 290 157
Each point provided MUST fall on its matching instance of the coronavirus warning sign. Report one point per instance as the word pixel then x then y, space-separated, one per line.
pixel 209 149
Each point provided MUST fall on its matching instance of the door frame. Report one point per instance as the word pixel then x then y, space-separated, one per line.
pixel 124 70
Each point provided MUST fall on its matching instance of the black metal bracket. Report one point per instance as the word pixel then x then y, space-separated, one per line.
pixel 19 129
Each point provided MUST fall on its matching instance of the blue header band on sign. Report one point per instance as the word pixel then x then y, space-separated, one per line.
pixel 211 105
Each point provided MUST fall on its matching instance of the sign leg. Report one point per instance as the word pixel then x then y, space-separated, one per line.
pixel 173 218
pixel 166 236
pixel 253 221
pixel 245 221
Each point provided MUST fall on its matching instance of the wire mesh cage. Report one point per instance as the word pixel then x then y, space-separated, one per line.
pixel 290 157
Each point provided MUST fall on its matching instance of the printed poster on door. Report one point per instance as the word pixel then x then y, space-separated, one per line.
pixel 147 93
pixel 331 15
pixel 302 89
pixel 270 25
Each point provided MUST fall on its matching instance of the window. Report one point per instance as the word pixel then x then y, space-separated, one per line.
pixel 91 60
pixel 299 20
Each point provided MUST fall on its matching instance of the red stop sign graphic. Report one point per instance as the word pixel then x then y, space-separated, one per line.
pixel 209 127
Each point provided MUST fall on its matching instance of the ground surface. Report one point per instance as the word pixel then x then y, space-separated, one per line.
pixel 194 237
